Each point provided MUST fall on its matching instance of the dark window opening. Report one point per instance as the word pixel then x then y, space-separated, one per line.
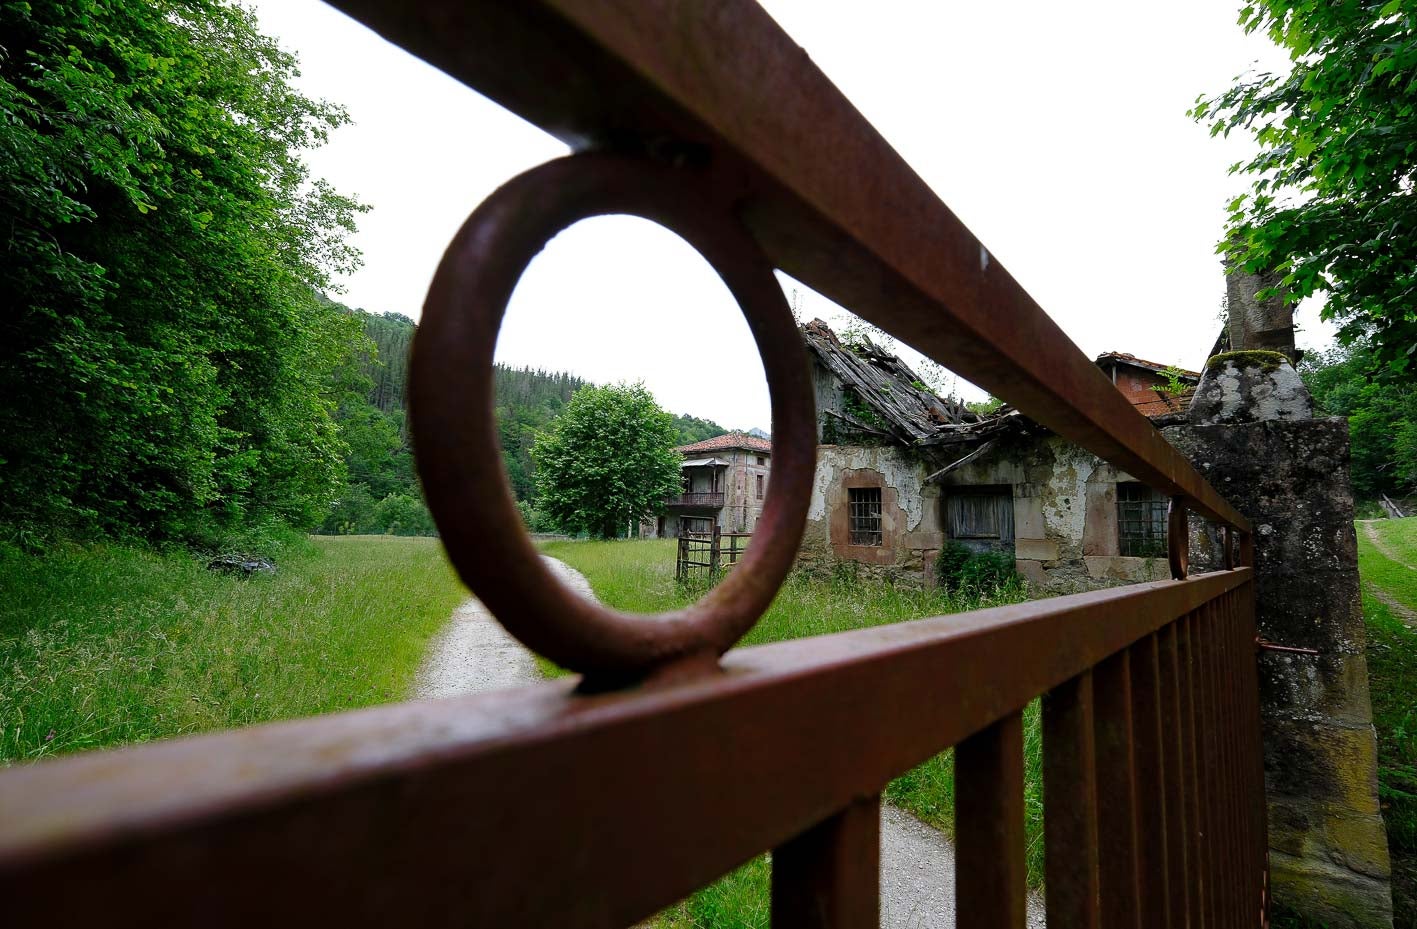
pixel 1141 521
pixel 697 525
pixel 760 487
pixel 864 505
pixel 762 460
pixel 981 517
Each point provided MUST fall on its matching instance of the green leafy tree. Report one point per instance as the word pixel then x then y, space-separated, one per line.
pixel 165 369
pixel 607 461
pixel 403 514
pixel 1382 417
pixel 1330 205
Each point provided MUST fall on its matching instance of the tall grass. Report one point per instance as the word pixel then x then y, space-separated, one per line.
pixel 1392 678
pixel 638 576
pixel 107 645
pixel 1392 674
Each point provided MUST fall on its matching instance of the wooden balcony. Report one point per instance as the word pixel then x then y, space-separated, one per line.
pixel 700 500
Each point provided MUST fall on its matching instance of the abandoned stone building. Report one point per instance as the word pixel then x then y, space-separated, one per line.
pixel 901 470
pixel 725 481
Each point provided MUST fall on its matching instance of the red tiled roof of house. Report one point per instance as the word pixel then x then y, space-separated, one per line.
pixel 1129 359
pixel 1164 404
pixel 731 440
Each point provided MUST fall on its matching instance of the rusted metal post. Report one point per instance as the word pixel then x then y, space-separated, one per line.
pixel 990 877
pixel 1070 814
pixel 829 876
pixel 1195 849
pixel 715 541
pixel 1149 754
pixel 1116 782
pixel 1177 790
pixel 1178 539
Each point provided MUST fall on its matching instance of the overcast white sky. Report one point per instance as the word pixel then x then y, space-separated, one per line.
pixel 1056 131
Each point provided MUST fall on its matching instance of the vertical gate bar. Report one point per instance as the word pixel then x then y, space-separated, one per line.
pixel 1244 788
pixel 1224 873
pixel 1149 757
pixel 1116 782
pixel 1194 856
pixel 991 882
pixel 1230 810
pixel 1255 806
pixel 1172 730
pixel 1225 882
pixel 1224 657
pixel 1238 735
pixel 1245 599
pixel 1205 731
pixel 829 877
pixel 1070 805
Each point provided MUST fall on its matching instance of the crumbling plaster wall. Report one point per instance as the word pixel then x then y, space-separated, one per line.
pixel 1065 514
pixel 910 513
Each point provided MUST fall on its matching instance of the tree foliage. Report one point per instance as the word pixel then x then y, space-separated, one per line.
pixel 1382 417
pixel 382 495
pixel 691 429
pixel 607 461
pixel 1331 201
pixel 165 369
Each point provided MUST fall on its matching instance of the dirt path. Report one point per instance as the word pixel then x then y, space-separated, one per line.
pixel 474 654
pixel 1371 532
pixel 1399 609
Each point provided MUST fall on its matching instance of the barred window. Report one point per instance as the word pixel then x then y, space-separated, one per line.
pixel 1141 521
pixel 865 511
pixel 760 487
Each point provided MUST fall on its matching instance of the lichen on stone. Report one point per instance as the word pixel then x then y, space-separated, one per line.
pixel 1266 361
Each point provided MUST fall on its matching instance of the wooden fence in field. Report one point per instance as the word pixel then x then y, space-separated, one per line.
pixel 708 554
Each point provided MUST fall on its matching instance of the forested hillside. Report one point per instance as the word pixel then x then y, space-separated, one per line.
pixel 382 493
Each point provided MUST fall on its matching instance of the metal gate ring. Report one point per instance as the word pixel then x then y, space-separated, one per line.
pixel 455 433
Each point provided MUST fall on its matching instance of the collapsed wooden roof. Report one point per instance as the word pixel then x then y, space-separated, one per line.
pixel 904 408
pixel 910 410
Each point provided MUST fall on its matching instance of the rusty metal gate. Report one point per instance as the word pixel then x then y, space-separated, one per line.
pixel 598 804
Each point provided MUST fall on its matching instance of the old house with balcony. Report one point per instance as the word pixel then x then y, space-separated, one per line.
pixel 725 481
pixel 901 470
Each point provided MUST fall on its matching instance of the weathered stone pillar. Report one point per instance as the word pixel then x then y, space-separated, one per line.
pixel 1254 324
pixel 1251 434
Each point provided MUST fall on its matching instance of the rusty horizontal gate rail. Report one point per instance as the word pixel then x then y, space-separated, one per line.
pixel 536 807
pixel 597 803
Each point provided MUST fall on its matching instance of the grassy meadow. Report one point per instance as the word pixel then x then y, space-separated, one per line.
pixel 639 576
pixel 102 645
pixel 1392 673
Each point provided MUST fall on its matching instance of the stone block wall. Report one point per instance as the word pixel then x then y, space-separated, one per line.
pixel 1328 849
pixel 1065 515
